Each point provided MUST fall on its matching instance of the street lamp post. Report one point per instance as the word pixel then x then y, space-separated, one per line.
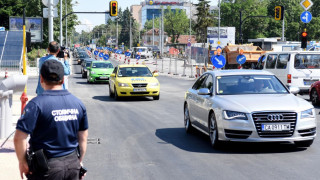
pixel 66 26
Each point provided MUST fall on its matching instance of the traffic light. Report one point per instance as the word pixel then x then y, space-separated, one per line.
pixel 113 8
pixel 304 39
pixel 278 12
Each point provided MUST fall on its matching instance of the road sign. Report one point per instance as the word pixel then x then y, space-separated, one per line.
pixel 46 2
pixel 46 12
pixel 106 57
pixel 211 41
pixel 127 53
pixel 219 42
pixel 138 57
pixel 241 59
pixel 219 47
pixel 189 44
pixel 95 52
pixel 2 29
pixel 218 61
pixel 100 54
pixel 150 2
pixel 306 17
pixel 306 4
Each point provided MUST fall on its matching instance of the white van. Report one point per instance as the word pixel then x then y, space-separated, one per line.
pixel 294 68
pixel 145 52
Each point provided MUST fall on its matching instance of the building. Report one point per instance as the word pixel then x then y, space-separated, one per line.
pixel 107 17
pixel 148 37
pixel 145 11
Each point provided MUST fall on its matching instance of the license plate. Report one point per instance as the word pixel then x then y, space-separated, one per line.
pixel 309 82
pixel 275 127
pixel 104 77
pixel 139 89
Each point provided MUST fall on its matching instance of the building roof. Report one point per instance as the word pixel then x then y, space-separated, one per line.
pixel 183 39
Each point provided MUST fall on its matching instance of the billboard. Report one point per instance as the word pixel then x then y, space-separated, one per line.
pixel 33 24
pixel 227 35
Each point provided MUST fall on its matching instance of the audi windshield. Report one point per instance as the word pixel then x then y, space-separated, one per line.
pixel 249 84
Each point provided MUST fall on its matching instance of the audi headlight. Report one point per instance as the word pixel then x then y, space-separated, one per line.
pixel 307 114
pixel 230 115
pixel 92 72
pixel 154 84
pixel 123 84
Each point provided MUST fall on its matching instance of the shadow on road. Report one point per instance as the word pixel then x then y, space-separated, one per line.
pixel 103 98
pixel 126 99
pixel 199 142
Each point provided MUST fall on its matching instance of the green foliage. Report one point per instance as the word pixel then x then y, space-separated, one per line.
pixel 176 23
pixel 204 20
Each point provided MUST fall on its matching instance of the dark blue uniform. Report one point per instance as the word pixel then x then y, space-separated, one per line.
pixel 53 120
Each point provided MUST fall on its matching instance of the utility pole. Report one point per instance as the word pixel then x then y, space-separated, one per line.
pixel 66 45
pixel 50 19
pixel 117 41
pixel 162 31
pixel 152 29
pixel 160 35
pixel 190 61
pixel 130 35
pixel 219 22
pixel 61 23
pixel 282 28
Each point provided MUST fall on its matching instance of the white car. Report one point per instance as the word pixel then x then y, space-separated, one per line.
pixel 248 106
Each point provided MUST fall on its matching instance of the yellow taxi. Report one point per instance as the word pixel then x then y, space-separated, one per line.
pixel 133 80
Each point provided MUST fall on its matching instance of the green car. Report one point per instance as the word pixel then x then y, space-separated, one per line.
pixel 99 71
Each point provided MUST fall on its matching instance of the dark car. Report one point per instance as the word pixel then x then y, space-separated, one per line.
pixel 314 93
pixel 82 55
pixel 86 63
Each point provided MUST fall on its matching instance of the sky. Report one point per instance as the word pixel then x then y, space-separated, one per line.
pixel 88 21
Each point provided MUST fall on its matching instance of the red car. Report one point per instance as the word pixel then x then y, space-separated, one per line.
pixel 314 92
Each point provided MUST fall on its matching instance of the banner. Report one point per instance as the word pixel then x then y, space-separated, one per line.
pixel 33 24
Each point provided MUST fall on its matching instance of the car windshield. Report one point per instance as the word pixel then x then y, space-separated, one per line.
pixel 134 72
pixel 249 84
pixel 102 65
pixel 307 61
pixel 83 55
pixel 88 64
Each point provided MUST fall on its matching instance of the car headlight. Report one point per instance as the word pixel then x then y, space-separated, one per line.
pixel 230 115
pixel 154 84
pixel 307 114
pixel 123 84
pixel 92 72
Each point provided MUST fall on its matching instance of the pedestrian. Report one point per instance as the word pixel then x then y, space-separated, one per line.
pixel 53 50
pixel 58 127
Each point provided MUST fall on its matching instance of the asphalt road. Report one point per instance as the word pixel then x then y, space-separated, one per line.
pixel 138 138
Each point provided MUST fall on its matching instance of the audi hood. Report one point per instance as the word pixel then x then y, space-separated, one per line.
pixel 261 102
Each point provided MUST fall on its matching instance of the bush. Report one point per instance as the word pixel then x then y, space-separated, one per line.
pixel 34 54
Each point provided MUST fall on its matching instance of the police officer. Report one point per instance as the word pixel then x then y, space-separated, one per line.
pixel 57 124
pixel 53 50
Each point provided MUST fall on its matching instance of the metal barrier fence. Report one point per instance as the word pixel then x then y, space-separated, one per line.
pixel 10 65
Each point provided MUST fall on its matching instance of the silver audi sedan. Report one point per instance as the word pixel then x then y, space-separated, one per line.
pixel 248 106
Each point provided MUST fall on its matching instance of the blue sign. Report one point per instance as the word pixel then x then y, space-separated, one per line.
pixel 119 51
pixel 140 50
pixel 306 17
pixel 95 52
pixel 219 47
pixel 2 29
pixel 211 41
pixel 138 57
pixel 189 44
pixel 106 57
pixel 127 53
pixel 100 54
pixel 211 53
pixel 241 59
pixel 218 61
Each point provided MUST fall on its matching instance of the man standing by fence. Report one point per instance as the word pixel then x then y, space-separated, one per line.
pixel 58 125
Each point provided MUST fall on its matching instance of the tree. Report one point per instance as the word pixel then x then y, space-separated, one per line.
pixel 176 23
pixel 205 20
